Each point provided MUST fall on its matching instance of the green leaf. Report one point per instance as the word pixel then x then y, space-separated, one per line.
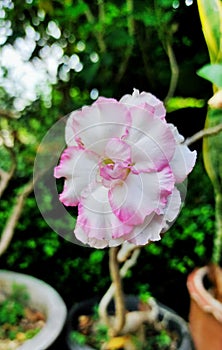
pixel 176 103
pixel 213 73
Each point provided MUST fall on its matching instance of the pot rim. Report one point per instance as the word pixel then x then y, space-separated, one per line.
pixel 201 295
pixel 48 300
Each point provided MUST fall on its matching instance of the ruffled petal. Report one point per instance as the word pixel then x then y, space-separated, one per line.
pixel 148 101
pixel 148 231
pixel 97 220
pixel 78 167
pixel 93 126
pixel 140 195
pixel 82 236
pixel 152 141
pixel 166 187
pixel 154 224
pixel 94 242
pixel 183 160
pixel 172 210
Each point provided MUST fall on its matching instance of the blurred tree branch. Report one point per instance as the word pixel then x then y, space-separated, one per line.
pixel 129 49
pixel 12 221
pixel 92 20
pixel 5 177
pixel 165 32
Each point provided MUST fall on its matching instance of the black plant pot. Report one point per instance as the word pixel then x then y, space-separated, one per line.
pixel 173 321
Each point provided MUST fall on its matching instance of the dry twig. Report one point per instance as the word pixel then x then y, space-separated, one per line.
pixel 203 133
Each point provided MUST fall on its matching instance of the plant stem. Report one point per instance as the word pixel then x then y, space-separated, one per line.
pixel 129 261
pixel 120 311
pixel 174 70
pixel 218 232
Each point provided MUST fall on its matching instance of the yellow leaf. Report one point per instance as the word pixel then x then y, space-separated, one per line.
pixel 210 12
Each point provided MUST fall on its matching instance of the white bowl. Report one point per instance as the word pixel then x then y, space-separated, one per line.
pixel 47 300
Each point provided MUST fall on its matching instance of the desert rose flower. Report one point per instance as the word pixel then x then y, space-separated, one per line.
pixel 122 167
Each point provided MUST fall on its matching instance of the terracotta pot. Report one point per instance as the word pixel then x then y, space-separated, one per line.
pixel 205 313
pixel 44 298
pixel 174 322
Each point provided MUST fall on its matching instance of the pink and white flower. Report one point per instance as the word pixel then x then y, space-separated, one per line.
pixel 122 167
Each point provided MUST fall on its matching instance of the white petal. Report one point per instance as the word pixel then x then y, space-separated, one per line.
pixel 79 168
pixel 154 224
pixel 183 160
pixel 147 100
pixel 140 195
pixel 97 219
pixel 173 206
pixel 92 242
pixel 118 150
pixel 93 126
pixel 152 141
pixel 149 231
pixel 178 137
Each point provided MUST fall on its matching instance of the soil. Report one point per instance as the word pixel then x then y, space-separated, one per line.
pixel 152 339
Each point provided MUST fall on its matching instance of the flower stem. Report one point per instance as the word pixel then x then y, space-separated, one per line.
pixel 118 293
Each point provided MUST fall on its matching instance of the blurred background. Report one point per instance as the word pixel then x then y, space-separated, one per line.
pixel 56 56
